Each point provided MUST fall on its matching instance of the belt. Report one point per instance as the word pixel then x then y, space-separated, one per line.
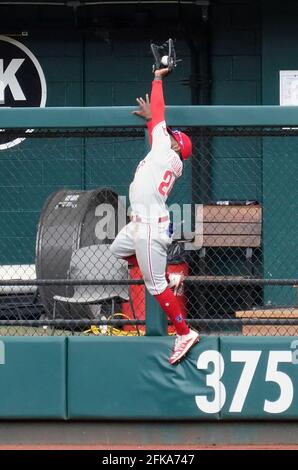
pixel 137 218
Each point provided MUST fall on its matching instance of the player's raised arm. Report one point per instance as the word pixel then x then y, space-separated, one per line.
pixel 157 98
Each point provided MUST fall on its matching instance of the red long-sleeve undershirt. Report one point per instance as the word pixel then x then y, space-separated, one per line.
pixel 157 107
pixel 157 103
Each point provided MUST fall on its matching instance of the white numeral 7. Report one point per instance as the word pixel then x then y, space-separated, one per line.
pixel 250 359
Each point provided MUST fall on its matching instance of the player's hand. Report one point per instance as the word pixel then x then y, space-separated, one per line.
pixel 144 110
pixel 161 73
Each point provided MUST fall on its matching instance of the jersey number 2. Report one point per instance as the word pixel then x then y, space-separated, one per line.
pixel 167 183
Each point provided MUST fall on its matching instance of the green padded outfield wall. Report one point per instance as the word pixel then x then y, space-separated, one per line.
pixel 222 378
pixel 129 378
pixel 32 378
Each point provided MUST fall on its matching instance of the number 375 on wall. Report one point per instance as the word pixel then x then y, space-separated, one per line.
pixel 250 359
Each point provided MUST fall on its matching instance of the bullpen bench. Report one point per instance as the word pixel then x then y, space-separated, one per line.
pixel 280 313
pixel 220 228
pixel 229 226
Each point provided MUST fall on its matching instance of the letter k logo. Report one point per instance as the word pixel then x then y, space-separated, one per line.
pixel 22 83
pixel 8 78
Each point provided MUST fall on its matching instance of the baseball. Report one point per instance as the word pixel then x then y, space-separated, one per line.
pixel 164 60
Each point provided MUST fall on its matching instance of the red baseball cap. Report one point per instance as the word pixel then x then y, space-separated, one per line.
pixel 183 141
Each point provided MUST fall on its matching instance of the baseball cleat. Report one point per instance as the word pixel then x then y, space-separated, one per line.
pixel 182 346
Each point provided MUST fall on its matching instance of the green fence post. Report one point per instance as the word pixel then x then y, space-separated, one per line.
pixel 156 319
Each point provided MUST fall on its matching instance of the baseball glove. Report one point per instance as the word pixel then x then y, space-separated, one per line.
pixel 164 55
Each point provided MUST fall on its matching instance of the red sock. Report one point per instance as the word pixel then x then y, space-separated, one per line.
pixel 171 307
pixel 132 260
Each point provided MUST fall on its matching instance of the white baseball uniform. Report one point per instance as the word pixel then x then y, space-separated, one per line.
pixel 147 235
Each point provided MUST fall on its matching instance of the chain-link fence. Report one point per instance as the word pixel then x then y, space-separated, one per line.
pixel 64 197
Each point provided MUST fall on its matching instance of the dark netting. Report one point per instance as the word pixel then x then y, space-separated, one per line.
pixel 64 197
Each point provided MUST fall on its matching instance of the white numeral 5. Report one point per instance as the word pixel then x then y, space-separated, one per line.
pixel 283 381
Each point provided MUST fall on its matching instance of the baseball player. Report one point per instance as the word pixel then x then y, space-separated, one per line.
pixel 145 240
